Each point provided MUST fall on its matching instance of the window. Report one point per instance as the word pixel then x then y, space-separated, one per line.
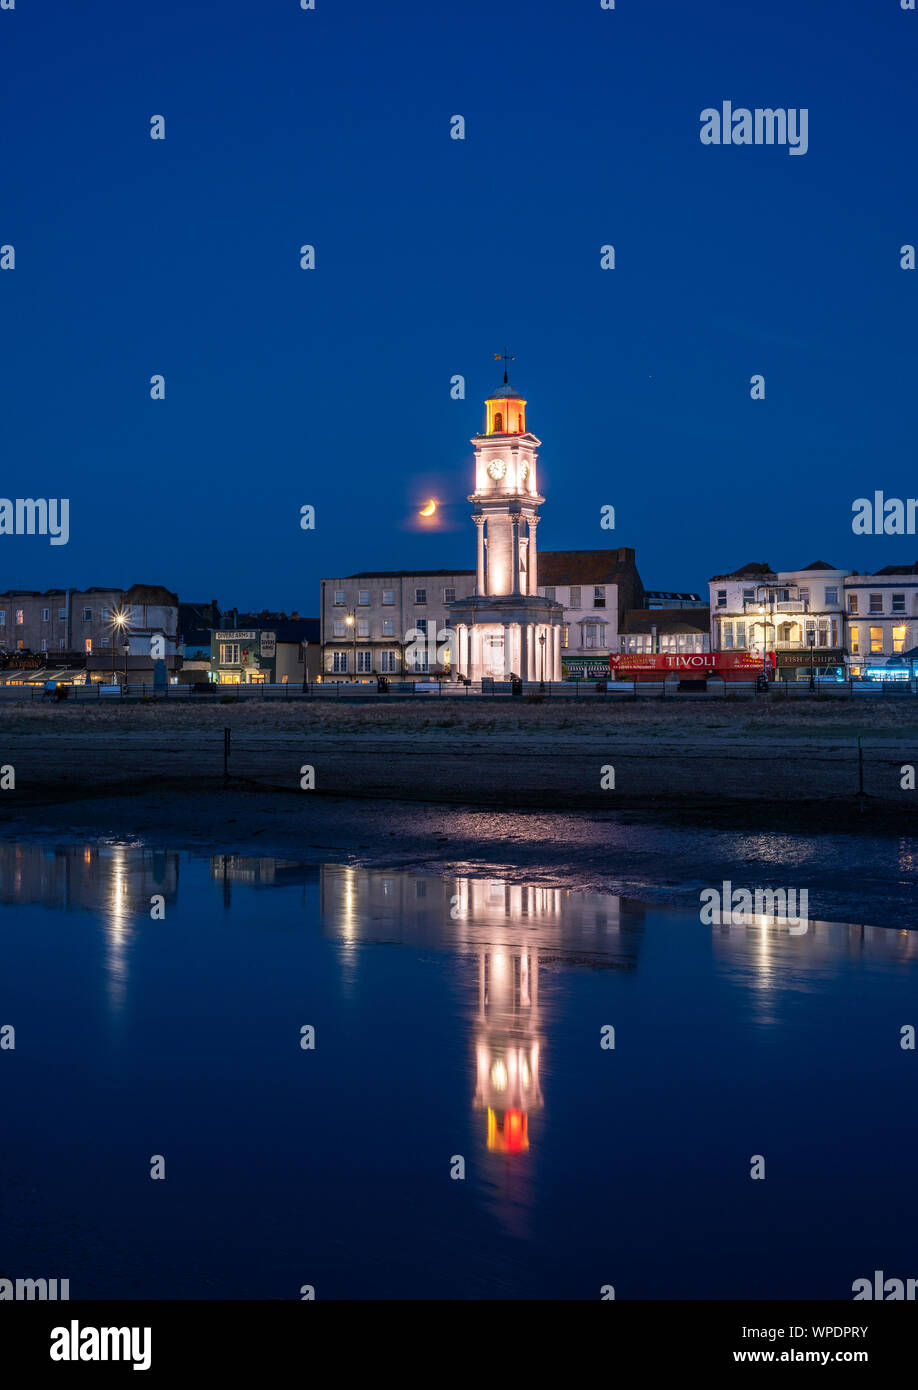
pixel 855 636
pixel 229 653
pixel 2 617
pixel 899 637
pixel 748 595
pixel 599 596
pixel 449 595
pixel 106 615
pixel 61 644
pixel 339 662
pixel 550 593
pixel 565 635
pixel 87 615
pixel 106 642
pixel 852 603
pixel 876 639
pixel 876 603
pixel 44 644
pixel 339 598
pixel 387 662
pixel 421 625
pixel 591 634
pixel 388 597
pixel 498 423
pixel 420 595
pixel 364 662
pixel 87 645
pixel 46 615
pixel 834 639
pixel 363 627
pixel 575 596
pixel 898 603
pixel 741 636
pixel 721 598
pixel 804 596
pixel 19 617
pixel 785 632
pixel 388 627
pixel 823 632
pixel 62 615
pixel 340 627
pixel 831 594
pixel 419 661
pixel 363 598
pixel 727 636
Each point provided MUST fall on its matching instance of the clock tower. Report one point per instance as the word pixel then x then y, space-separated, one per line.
pixel 506 628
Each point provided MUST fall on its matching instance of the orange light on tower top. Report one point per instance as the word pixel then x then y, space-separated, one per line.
pixel 506 412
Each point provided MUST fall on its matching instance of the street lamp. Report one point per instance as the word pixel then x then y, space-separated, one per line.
pixel 351 621
pixel 811 642
pixel 119 626
pixel 542 645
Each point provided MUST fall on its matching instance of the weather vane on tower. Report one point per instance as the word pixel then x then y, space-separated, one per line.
pixel 505 357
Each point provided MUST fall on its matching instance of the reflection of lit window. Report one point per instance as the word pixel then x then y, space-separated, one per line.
pixel 499 1075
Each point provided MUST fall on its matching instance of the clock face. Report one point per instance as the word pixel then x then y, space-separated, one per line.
pixel 524 471
pixel 496 469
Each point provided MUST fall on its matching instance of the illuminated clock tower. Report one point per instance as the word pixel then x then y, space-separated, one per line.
pixel 506 628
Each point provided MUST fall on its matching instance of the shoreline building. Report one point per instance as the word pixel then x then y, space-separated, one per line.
pixel 596 590
pixel 799 615
pixel 881 611
pixel 506 627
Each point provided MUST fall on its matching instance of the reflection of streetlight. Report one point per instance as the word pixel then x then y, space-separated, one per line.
pixel 542 645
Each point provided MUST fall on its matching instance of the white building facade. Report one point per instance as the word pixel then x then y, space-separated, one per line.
pixel 881 612
pixel 799 615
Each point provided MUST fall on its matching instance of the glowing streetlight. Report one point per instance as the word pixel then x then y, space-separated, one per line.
pixel 120 620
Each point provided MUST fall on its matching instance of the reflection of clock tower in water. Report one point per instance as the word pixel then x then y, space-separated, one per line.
pixel 506 628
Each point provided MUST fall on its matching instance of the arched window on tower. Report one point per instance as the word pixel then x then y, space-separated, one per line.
pixel 498 423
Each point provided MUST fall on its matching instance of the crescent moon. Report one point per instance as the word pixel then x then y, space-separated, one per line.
pixel 429 509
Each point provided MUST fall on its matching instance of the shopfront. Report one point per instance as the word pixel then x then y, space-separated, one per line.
pixel 737 666
pixel 826 663
pixel 584 668
pixel 243 656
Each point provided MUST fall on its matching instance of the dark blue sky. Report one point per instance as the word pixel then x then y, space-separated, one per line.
pixel 331 387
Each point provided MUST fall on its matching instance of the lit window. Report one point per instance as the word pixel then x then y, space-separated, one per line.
pixel 898 637
pixel 741 635
pixel 87 645
pixel 727 632
pixel 876 639
pixel 19 617
pixel 498 423
pixel 565 633
pixel 855 640
pixel 229 653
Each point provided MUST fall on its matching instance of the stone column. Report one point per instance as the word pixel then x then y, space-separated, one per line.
pixel 524 651
pixel 533 562
pixel 515 551
pixel 556 648
pixel 480 571
pixel 475 653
